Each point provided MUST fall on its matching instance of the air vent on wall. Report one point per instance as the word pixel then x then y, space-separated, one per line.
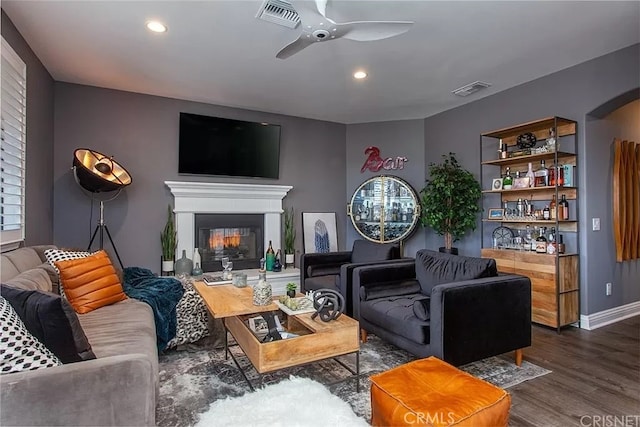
pixel 467 90
pixel 279 12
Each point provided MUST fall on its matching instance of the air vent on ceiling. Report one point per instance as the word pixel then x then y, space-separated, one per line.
pixel 279 12
pixel 467 90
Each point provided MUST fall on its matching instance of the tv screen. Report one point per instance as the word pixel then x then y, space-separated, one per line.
pixel 217 146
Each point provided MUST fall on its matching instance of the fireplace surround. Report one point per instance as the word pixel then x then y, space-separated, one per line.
pixel 191 198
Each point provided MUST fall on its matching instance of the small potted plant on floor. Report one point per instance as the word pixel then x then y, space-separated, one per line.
pixel 450 201
pixel 289 238
pixel 291 289
pixel 169 241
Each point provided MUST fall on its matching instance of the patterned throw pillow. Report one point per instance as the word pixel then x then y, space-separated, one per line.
pixel 54 255
pixel 19 350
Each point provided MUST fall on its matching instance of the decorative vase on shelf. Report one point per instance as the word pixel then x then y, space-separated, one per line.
pixel 196 257
pixel 184 265
pixel 197 271
pixel 262 291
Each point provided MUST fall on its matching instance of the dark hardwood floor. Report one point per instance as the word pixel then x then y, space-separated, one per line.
pixel 595 380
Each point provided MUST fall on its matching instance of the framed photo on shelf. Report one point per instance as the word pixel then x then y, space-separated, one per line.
pixel 522 182
pixel 319 232
pixel 496 213
pixel 496 184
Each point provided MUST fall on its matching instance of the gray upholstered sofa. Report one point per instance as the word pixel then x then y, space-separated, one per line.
pixel 456 308
pixel 119 387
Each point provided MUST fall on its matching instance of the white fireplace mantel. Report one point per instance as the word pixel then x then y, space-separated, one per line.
pixel 214 197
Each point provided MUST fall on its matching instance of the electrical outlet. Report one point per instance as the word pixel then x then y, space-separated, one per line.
pixel 596 224
pixel 608 289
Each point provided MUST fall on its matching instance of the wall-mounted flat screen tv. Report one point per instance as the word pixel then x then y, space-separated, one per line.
pixel 217 146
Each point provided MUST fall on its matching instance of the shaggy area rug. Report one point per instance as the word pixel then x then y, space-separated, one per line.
pixel 193 376
pixel 279 405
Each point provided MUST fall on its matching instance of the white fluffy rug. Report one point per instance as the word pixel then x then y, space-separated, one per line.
pixel 298 402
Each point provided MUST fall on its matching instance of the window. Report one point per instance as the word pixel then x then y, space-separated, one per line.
pixel 13 147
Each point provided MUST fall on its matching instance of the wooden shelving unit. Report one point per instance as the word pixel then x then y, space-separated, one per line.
pixel 554 277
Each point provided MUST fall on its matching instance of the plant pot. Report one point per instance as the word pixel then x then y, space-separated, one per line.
pixel 291 294
pixel 167 266
pixel 452 251
pixel 289 260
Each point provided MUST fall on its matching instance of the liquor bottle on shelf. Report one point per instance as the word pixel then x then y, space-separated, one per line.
pixel 553 209
pixel 403 212
pixel 565 208
pixel 551 241
pixel 559 175
pixel 541 242
pixel 561 247
pixel 546 213
pixel 507 182
pixel 527 236
pixel 503 149
pixel 270 257
pixel 531 175
pixel 542 175
pixel 551 173
pixel 277 264
pixel 410 212
pixel 534 238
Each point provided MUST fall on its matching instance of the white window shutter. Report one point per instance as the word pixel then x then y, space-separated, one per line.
pixel 12 147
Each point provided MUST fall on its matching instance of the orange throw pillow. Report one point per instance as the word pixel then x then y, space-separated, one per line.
pixel 90 282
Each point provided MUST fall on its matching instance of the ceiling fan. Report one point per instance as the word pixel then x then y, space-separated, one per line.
pixel 316 27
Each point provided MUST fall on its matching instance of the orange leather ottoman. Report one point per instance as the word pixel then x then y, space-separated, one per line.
pixel 430 392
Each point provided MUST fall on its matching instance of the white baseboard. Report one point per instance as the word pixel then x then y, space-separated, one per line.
pixel 607 317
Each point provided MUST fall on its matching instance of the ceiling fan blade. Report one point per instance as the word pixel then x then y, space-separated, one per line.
pixel 309 12
pixel 321 5
pixel 363 31
pixel 294 47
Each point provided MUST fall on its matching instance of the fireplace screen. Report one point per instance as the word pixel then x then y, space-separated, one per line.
pixel 238 237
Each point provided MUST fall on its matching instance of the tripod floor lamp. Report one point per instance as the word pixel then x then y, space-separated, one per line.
pixel 98 173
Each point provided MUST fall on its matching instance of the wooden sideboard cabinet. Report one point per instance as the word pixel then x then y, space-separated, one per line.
pixel 554 283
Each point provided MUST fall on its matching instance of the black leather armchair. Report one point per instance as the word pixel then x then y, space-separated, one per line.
pixel 334 270
pixel 455 308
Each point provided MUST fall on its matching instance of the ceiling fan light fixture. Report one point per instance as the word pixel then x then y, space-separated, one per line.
pixel 156 26
pixel 360 74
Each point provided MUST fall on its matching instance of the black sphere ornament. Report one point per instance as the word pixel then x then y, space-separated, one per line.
pixel 328 303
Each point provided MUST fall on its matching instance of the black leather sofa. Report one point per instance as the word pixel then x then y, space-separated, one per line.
pixel 334 270
pixel 453 307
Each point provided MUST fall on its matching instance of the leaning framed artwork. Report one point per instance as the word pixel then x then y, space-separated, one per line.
pixel 495 213
pixel 319 232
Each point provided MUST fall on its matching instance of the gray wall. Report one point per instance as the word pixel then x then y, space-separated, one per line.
pixel 622 123
pixel 401 138
pixel 141 132
pixel 39 194
pixel 571 93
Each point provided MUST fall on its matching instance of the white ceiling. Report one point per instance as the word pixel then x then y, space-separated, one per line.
pixel 218 52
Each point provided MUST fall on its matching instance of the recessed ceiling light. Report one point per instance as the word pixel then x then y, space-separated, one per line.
pixel 359 75
pixel 156 26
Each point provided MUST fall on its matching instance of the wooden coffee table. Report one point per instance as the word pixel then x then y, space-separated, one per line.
pixel 316 340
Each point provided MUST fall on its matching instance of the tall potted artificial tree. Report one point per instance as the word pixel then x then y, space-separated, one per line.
pixel 450 201
pixel 169 241
pixel 289 238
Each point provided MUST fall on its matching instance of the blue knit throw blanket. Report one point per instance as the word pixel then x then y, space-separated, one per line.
pixel 161 293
